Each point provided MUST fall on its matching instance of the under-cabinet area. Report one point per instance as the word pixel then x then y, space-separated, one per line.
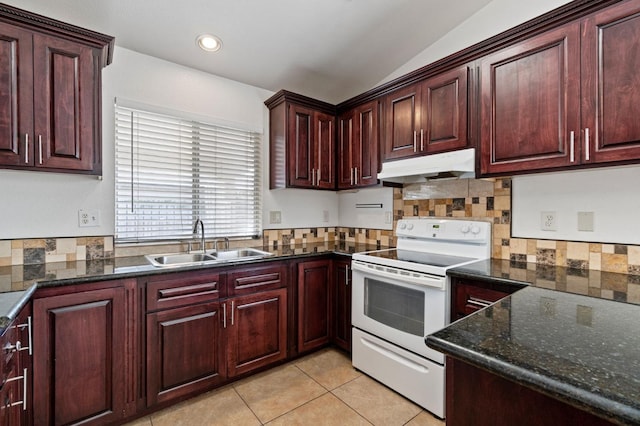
pixel 132 346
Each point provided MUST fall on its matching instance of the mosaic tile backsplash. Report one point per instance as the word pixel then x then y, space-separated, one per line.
pixel 46 250
pixel 480 199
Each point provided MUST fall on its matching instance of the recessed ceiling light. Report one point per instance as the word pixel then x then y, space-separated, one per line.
pixel 209 42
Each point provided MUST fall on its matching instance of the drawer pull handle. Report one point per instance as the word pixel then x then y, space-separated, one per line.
pixel 478 302
pixel 232 309
pixel 586 143
pixel 572 146
pixel 26 148
pixel 224 315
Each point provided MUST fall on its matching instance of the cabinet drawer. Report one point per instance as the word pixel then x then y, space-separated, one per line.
pixel 182 289
pixel 470 298
pixel 260 278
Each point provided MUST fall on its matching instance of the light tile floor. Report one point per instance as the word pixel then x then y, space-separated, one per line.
pixel 319 389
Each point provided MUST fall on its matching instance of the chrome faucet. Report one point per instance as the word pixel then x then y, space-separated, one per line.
pixel 195 231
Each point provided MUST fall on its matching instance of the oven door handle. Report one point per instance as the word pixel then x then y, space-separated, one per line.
pixel 417 278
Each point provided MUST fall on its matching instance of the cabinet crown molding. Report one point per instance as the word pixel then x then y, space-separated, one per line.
pixel 30 20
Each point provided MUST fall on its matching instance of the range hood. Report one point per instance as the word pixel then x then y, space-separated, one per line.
pixel 453 164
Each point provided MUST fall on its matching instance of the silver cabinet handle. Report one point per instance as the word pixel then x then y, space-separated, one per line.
pixel 415 141
pixel 26 148
pixel 478 302
pixel 224 315
pixel 421 139
pixel 318 177
pixel 24 389
pixel 571 147
pixel 232 311
pixel 586 144
pixel 351 176
pixel 40 148
pixel 346 275
pixel 30 337
pixel 356 175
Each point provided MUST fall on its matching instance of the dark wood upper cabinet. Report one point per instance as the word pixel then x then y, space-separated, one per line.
pixel 568 97
pixel 402 123
pixel 611 84
pixel 301 142
pixel 530 103
pixel 358 146
pixel 427 117
pixel 50 110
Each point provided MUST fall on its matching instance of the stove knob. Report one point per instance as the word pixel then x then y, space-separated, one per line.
pixel 402 225
pixel 465 229
pixel 475 230
pixel 409 226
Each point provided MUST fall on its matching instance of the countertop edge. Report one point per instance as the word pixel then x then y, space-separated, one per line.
pixel 16 307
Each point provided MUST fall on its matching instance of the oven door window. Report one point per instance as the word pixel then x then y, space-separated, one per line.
pixel 401 308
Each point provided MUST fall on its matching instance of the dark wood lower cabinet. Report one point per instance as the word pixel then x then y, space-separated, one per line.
pixel 477 397
pixel 79 357
pixel 185 351
pixel 257 331
pixel 342 304
pixel 314 304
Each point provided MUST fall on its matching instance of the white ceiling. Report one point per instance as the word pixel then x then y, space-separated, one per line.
pixel 327 49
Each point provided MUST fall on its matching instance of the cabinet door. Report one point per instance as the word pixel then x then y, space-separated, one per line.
pixel 185 353
pixel 366 158
pixel 256 331
pixel 79 358
pixel 300 146
pixel 529 103
pixel 444 112
pixel 402 123
pixel 16 96
pixel 64 95
pixel 314 309
pixel 342 304
pixel 611 85
pixel 346 150
pixel 358 147
pixel 325 127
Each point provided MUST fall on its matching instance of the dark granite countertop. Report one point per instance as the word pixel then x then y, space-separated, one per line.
pixel 17 283
pixel 581 349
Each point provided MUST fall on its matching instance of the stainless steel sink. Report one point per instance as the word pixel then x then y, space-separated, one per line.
pixel 239 254
pixel 187 259
pixel 180 259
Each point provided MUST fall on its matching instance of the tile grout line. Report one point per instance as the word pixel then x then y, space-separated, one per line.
pixel 245 403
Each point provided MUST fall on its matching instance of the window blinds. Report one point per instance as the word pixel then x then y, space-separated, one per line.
pixel 171 170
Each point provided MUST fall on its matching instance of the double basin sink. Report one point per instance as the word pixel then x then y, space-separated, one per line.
pixel 186 259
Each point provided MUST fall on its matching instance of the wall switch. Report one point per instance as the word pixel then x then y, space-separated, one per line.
pixel 88 218
pixel 275 216
pixel 325 216
pixel 548 221
pixel 585 221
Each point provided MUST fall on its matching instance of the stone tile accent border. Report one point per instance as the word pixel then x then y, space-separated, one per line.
pixel 46 250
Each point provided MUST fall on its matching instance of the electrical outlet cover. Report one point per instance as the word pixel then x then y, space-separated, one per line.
pixel 548 221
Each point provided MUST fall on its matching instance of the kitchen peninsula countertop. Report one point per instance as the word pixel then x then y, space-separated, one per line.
pixel 581 349
pixel 19 282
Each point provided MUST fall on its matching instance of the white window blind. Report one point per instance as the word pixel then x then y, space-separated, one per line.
pixel 171 170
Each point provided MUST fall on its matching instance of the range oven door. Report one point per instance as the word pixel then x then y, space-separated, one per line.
pixel 398 309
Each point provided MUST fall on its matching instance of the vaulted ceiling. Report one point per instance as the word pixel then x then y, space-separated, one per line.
pixel 327 49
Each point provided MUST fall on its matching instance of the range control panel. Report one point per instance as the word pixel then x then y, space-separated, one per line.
pixel 444 229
